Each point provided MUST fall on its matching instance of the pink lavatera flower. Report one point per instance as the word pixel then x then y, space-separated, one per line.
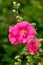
pixel 21 33
pixel 33 47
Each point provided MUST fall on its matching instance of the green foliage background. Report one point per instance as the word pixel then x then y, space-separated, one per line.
pixel 33 10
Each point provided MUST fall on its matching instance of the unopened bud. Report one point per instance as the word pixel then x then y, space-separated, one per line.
pixel 41 39
pixel 39 63
pixel 28 60
pixel 33 24
pixel 27 57
pixel 20 17
pixel 18 4
pixel 17 16
pixel 16 63
pixel 14 3
pixel 17 57
pixel 27 63
pixel 14 11
pixel 19 60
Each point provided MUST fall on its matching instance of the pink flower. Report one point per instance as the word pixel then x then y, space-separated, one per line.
pixel 22 32
pixel 33 46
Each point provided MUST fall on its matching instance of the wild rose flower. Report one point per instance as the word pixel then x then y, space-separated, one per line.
pixel 33 47
pixel 21 33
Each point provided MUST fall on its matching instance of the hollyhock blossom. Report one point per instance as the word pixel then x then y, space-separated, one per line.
pixel 33 47
pixel 21 32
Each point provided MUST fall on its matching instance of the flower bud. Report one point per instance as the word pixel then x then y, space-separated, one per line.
pixel 18 4
pixel 14 11
pixel 17 57
pixel 16 63
pixel 19 60
pixel 14 3
pixel 39 63
pixel 17 16
pixel 27 63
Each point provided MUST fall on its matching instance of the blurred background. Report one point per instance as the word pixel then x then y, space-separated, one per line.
pixel 33 10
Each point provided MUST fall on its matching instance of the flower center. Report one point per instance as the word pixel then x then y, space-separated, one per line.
pixel 23 32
